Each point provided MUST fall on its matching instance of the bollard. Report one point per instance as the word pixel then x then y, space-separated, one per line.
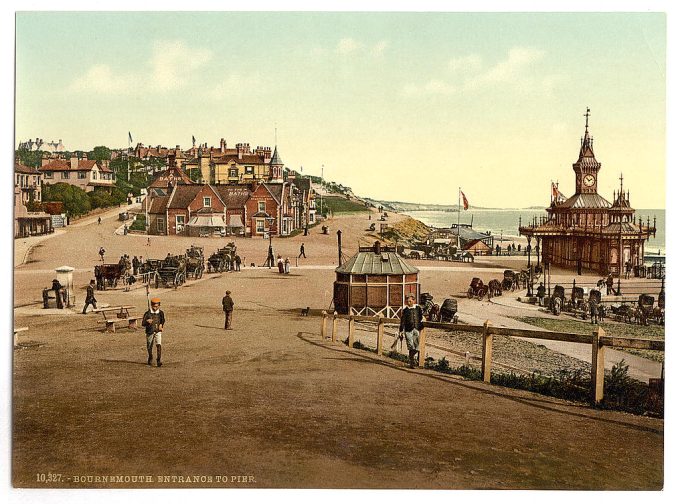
pixel 467 358
pixel 334 330
pixel 597 371
pixel 487 344
pixel 381 331
pixel 421 348
pixel 323 324
pixel 350 330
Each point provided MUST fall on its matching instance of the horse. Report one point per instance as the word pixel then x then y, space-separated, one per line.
pixel 495 288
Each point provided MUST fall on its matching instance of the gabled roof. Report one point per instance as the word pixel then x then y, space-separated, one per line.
pixel 183 195
pixel 172 174
pixel 275 189
pixel 65 165
pixel 370 263
pixel 245 159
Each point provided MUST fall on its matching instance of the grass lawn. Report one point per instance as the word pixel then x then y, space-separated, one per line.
pixel 653 332
pixel 340 205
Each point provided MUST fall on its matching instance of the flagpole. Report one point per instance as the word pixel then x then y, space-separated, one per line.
pixel 127 174
pixel 458 226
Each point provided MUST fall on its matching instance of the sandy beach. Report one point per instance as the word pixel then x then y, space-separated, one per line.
pixel 271 400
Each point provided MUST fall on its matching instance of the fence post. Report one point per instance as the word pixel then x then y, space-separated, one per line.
pixel 421 348
pixel 597 372
pixel 381 331
pixel 323 324
pixel 487 344
pixel 334 329
pixel 350 330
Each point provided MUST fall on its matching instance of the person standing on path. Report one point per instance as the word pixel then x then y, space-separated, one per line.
pixel 302 251
pixel 228 308
pixel 279 262
pixel 101 253
pixel 286 266
pixel 238 262
pixel 99 220
pixel 410 326
pixel 89 297
pixel 154 321
pixel 135 265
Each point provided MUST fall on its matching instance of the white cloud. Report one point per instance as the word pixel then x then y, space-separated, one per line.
pixel 348 45
pixel 514 71
pixel 170 67
pixel 102 79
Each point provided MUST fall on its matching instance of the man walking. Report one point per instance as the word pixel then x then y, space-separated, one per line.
pixel 154 321
pixel 410 326
pixel 101 253
pixel 302 251
pixel 238 262
pixel 135 265
pixel 228 308
pixel 89 297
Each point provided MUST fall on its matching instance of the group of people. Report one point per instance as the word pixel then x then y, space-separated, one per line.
pixel 284 266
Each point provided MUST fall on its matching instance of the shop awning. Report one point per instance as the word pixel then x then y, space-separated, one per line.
pixel 207 221
pixel 235 221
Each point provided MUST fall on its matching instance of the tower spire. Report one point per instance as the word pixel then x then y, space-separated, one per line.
pixel 587 115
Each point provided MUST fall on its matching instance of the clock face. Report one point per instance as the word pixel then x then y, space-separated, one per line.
pixel 588 180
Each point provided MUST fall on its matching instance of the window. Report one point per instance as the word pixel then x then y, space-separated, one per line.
pixel 82 174
pixel 249 170
pixel 179 220
pixel 259 225
pixel 49 174
pixel 206 201
pixel 160 225
pixel 233 172
pixel 261 206
pixel 65 175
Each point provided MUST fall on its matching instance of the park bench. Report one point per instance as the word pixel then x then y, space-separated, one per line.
pixel 118 315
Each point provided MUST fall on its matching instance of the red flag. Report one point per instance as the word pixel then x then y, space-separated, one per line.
pixel 465 201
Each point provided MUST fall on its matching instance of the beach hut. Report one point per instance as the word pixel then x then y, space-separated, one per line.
pixel 374 282
pixel 478 247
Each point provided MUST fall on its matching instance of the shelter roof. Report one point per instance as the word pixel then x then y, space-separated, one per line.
pixel 584 200
pixel 370 263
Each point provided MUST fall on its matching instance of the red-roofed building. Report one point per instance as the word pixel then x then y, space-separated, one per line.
pixel 84 173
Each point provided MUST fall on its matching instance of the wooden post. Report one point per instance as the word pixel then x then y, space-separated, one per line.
pixel 597 372
pixel 421 348
pixel 334 330
pixel 350 330
pixel 487 344
pixel 381 331
pixel 323 324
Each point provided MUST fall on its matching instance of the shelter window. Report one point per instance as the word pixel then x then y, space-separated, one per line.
pixel 259 225
pixel 207 201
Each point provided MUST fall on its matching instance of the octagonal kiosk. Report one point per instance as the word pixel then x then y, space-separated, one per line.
pixel 65 277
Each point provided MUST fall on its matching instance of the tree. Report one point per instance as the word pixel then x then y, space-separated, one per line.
pixel 100 153
pixel 29 158
pixel 76 201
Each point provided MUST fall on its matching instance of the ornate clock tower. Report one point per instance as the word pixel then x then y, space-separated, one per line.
pixel 587 167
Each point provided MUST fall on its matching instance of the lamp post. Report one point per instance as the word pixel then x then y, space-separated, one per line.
pixel 270 252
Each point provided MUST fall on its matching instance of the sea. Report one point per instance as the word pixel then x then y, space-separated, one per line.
pixel 503 222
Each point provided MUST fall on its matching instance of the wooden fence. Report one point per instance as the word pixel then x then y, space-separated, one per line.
pixel 598 341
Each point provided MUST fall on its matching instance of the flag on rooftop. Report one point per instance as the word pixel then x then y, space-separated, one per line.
pixel 465 201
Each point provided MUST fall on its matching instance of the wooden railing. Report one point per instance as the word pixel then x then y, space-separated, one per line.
pixel 598 341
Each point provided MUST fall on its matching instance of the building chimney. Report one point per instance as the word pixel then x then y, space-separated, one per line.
pixel 74 163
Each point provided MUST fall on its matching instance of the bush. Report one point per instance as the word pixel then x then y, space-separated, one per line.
pixel 76 201
pixel 139 224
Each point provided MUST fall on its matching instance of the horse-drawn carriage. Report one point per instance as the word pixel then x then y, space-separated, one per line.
pixel 172 272
pixel 430 308
pixel 448 311
pixel 577 301
pixel 222 259
pixel 510 280
pixel 477 289
pixel 495 288
pixel 195 265
pixel 556 301
pixel 108 275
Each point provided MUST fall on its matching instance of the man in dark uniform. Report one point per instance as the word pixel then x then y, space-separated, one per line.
pixel 540 293
pixel 89 297
pixel 154 321
pixel 238 262
pixel 135 265
pixel 302 251
pixel 228 308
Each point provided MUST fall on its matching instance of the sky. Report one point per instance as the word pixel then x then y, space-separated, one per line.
pixel 402 106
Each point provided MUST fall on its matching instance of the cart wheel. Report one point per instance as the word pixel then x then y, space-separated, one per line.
pixel 470 293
